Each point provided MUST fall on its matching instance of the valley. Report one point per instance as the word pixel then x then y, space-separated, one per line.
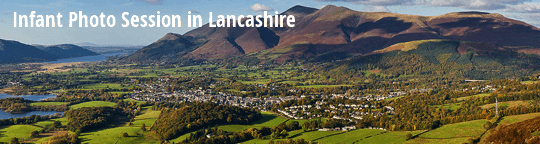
pixel 337 76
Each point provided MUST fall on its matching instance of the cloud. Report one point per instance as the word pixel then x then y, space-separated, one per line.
pixel 377 9
pixel 195 12
pixel 474 4
pixel 466 4
pixel 127 4
pixel 524 8
pixel 259 7
pixel 152 2
pixel 374 2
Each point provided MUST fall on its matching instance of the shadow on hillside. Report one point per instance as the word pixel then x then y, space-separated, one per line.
pixel 388 24
pixel 497 32
pixel 265 118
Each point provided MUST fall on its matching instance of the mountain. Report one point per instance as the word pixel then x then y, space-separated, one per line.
pixel 334 33
pixel 66 51
pixel 16 52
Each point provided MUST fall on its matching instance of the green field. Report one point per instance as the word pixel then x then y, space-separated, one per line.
pixel 46 123
pixel 93 104
pixel 464 129
pixel 138 102
pixel 48 103
pixel 388 138
pixel 20 131
pixel 104 86
pixel 529 82
pixel 517 118
pixel 323 86
pixel 450 106
pixel 452 133
pixel 350 137
pixel 114 135
pixel 268 120
pixel 478 95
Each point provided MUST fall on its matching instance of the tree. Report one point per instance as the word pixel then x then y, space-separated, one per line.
pixel 34 134
pixel 409 136
pixel 57 124
pixel 143 127
pixel 14 140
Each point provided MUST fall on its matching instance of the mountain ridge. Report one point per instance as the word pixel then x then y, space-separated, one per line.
pixel 342 32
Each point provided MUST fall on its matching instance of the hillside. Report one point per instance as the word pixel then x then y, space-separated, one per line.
pixel 66 51
pixel 333 33
pixel 16 52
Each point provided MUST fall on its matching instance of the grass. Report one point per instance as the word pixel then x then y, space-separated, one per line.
pixel 268 120
pixel 389 137
pixel 47 123
pixel 459 130
pixel 48 103
pixel 452 133
pixel 517 118
pixel 508 104
pixel 450 106
pixel 93 104
pixel 350 137
pixel 478 95
pixel 528 82
pixel 322 86
pixel 390 99
pixel 138 102
pixel 136 135
pixel 436 141
pixel 310 136
pixel 104 86
pixel 20 131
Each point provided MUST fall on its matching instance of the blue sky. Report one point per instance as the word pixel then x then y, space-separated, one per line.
pixel 525 10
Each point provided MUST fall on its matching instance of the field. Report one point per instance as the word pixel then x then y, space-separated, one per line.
pixel 268 120
pixel 529 82
pixel 114 134
pixel 20 131
pixel 93 104
pixel 517 118
pixel 508 104
pixel 450 106
pixel 478 95
pixel 452 133
pixel 46 123
pixel 388 138
pixel 322 86
pixel 48 103
pixel 349 137
pixel 104 86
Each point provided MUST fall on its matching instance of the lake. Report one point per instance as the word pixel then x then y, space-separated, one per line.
pixel 28 97
pixel 96 58
pixel 6 115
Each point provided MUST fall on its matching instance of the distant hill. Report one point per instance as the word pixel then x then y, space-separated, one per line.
pixel 334 33
pixel 16 52
pixel 66 51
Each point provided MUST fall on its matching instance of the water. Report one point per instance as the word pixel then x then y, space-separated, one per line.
pixel 97 58
pixel 28 97
pixel 6 115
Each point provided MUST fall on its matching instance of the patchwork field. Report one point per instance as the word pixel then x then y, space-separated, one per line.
pixel 20 131
pixel 452 133
pixel 114 134
pixel 48 103
pixel 268 120
pixel 93 104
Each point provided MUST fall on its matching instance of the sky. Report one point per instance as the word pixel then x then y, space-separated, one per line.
pixel 524 10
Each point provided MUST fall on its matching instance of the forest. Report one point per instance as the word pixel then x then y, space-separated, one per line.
pixel 174 122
